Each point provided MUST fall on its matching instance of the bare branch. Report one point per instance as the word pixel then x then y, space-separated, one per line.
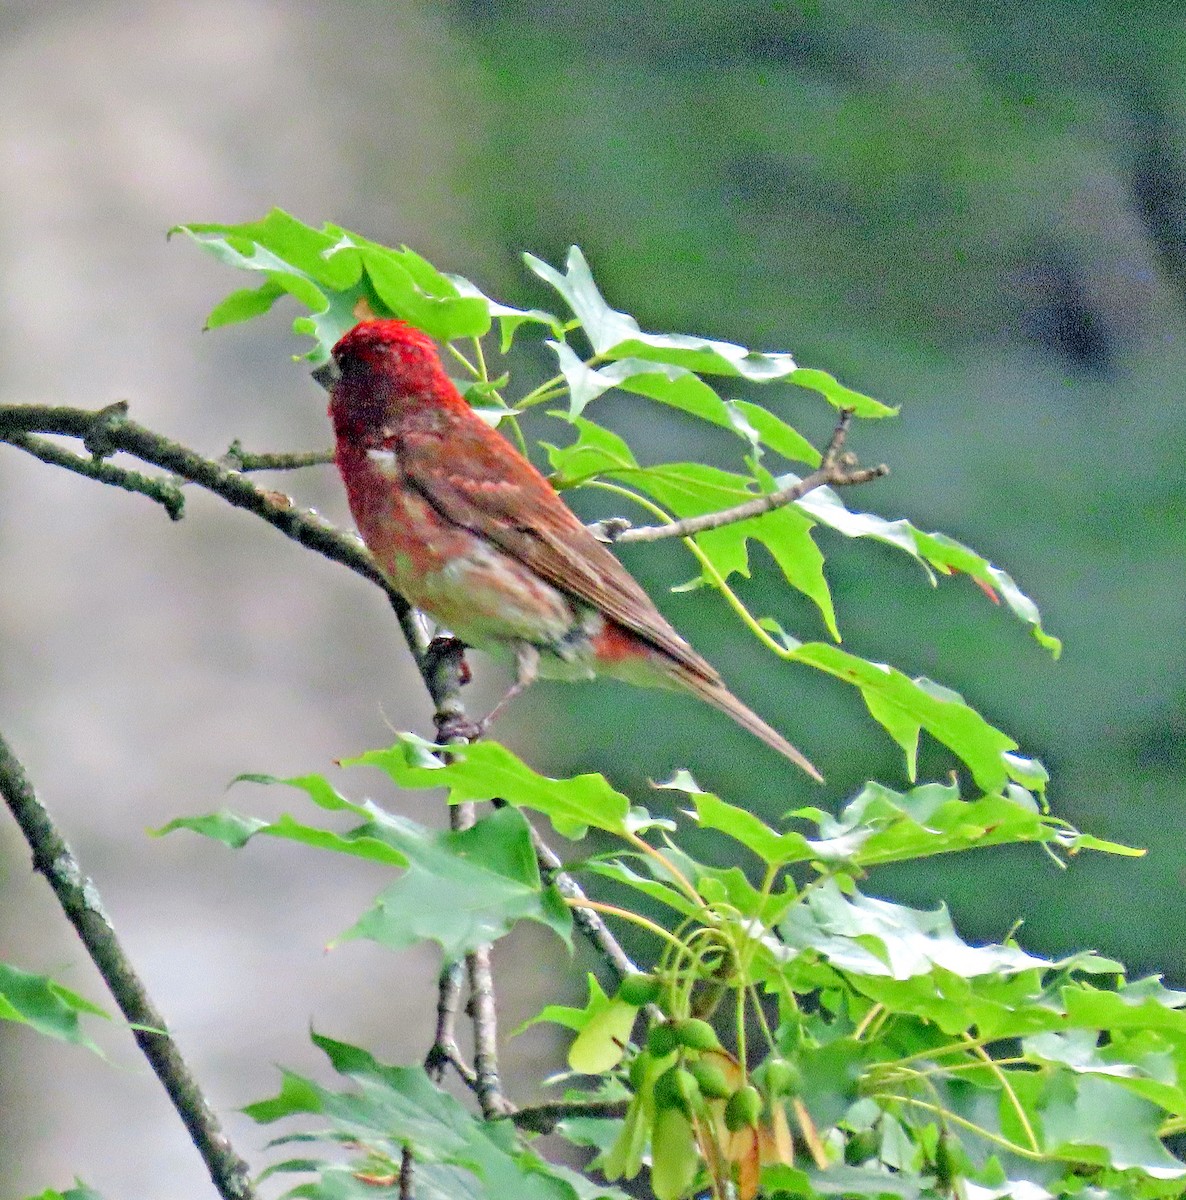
pixel 543 1118
pixel 106 432
pixel 241 460
pixel 585 919
pixel 163 491
pixel 484 1014
pixel 80 902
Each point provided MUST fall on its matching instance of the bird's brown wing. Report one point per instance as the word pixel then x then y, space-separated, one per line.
pixel 476 479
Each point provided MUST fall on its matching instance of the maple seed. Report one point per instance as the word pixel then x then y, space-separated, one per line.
pixel 744 1109
pixel 696 1034
pixel 661 1039
pixel 639 990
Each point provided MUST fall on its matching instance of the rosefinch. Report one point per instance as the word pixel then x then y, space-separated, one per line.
pixel 472 534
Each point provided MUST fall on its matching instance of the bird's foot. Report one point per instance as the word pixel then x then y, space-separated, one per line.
pixel 455 725
pixel 440 650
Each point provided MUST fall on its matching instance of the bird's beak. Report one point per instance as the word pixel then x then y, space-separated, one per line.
pixel 327 374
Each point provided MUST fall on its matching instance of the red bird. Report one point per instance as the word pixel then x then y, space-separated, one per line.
pixel 473 535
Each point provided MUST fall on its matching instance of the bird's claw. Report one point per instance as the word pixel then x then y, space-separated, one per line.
pixel 451 725
pixel 442 648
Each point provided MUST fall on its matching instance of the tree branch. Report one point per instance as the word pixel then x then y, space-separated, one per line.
pixel 836 470
pixel 163 491
pixel 240 460
pixel 80 902
pixel 543 1118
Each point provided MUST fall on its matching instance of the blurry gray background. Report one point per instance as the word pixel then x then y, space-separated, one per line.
pixel 974 211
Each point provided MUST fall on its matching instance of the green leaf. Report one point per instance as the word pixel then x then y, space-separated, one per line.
pixel 656 889
pixel 841 1180
pixel 1094 1120
pixel 462 889
pixel 603 1039
pixel 675 1160
pixel 597 451
pixel 617 335
pixel 936 550
pixel 79 1191
pixel 509 319
pixel 864 936
pixel 329 271
pixel 898 702
pixel 45 1005
pixel 883 826
pixel 487 771
pixel 236 831
pixel 571 1018
pixel 774 433
pixel 387 1108
pixel 840 396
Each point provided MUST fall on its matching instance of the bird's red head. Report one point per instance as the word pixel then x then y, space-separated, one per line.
pixel 384 366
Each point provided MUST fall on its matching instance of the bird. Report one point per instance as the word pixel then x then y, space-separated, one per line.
pixel 472 534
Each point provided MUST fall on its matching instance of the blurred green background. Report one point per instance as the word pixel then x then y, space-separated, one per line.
pixel 974 211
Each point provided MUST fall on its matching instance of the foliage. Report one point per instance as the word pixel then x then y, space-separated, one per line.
pixel 45 1005
pixel 791 1034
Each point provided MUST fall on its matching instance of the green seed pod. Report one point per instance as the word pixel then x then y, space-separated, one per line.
pixel 783 1078
pixel 744 1109
pixel 675 1088
pixel 696 1034
pixel 661 1039
pixel 862 1146
pixel 639 990
pixel 710 1079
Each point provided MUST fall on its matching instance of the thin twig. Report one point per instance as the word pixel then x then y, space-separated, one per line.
pixel 164 491
pixel 483 1013
pixel 836 470
pixel 543 1118
pixel 106 432
pixel 407 1174
pixel 585 919
pixel 80 902
pixel 241 460
pixel 482 1010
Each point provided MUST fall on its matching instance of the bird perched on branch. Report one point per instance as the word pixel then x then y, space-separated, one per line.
pixel 473 535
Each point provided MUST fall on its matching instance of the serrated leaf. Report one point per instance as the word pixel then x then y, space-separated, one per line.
pixel 488 771
pixel 1095 1120
pixel 236 831
pixel 840 396
pixel 940 711
pixel 775 434
pixel 329 271
pixel 46 1006
pixel 387 1108
pixel 866 936
pixel 931 550
pixel 509 319
pixel 616 335
pixel 656 889
pixel 462 889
